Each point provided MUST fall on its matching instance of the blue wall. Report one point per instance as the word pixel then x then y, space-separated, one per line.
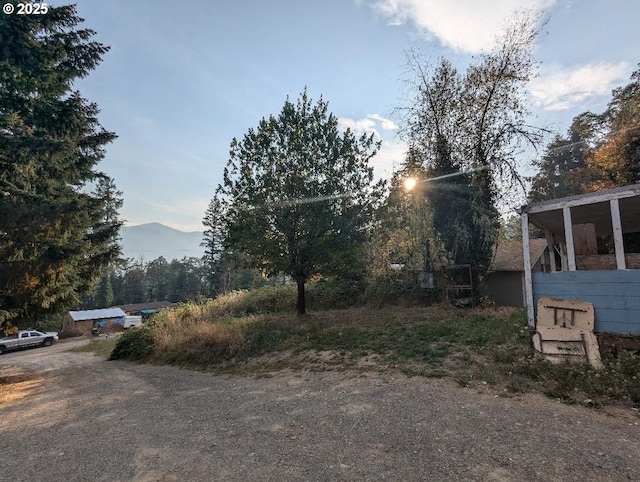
pixel 615 295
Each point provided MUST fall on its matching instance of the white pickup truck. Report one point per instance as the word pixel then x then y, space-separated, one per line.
pixel 27 339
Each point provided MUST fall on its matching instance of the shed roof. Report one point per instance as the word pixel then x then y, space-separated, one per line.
pixel 509 255
pixel 101 314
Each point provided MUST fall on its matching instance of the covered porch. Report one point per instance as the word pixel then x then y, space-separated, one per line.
pixel 589 262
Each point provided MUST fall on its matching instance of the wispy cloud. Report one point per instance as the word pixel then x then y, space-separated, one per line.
pixel 560 88
pixel 463 25
pixel 358 126
pixel 389 158
pixel 387 124
pixel 368 125
pixel 392 151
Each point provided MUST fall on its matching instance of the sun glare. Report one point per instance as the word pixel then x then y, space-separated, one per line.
pixel 409 183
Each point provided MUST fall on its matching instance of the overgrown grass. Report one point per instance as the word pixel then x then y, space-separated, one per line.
pixel 480 347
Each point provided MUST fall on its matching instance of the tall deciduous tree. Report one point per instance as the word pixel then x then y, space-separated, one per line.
pixel 300 194
pixel 471 128
pixel 54 241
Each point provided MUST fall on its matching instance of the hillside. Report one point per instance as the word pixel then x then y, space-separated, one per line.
pixel 152 240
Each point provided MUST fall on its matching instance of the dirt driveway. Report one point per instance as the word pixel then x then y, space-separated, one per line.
pixel 87 419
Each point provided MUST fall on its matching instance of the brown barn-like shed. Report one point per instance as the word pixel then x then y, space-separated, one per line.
pixel 81 322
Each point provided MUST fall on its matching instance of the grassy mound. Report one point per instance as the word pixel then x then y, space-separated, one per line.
pixel 256 332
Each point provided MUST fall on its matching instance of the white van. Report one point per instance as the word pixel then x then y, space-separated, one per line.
pixel 130 321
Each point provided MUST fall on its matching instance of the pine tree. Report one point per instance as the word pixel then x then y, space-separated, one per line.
pixel 54 241
pixel 104 293
pixel 300 194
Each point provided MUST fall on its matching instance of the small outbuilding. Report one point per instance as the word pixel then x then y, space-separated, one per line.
pixel 81 322
pixel 506 279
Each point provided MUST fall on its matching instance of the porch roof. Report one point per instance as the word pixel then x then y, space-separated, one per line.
pixel 588 208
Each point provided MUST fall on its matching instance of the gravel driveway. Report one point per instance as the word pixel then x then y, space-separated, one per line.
pixel 81 418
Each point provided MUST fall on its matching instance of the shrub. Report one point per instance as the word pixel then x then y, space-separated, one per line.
pixel 335 293
pixel 388 290
pixel 134 344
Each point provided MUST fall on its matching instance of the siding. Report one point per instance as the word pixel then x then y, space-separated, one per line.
pixel 505 288
pixel 615 295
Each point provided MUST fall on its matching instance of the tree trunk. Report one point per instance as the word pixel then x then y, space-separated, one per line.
pixel 301 303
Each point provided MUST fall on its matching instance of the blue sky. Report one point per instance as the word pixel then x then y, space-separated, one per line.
pixel 183 78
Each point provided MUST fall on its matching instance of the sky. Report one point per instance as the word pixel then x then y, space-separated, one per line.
pixel 182 79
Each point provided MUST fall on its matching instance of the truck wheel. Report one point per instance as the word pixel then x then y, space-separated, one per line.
pixel 47 342
pixel 2 349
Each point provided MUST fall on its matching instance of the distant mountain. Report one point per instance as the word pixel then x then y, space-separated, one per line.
pixel 152 240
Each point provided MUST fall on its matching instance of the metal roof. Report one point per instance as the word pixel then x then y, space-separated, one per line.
pixel 101 314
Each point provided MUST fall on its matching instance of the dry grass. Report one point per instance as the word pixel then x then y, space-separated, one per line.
pixel 476 347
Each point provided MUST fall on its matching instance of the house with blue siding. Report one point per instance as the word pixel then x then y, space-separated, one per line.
pixel 594 241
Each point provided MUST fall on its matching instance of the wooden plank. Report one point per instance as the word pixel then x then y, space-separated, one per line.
pixel 528 292
pixel 624 317
pixel 605 276
pixel 602 302
pixel 568 233
pixel 617 233
pixel 606 261
pixel 551 249
pixel 564 263
pixel 583 199
pixel 610 290
pixel 619 328
pixel 584 239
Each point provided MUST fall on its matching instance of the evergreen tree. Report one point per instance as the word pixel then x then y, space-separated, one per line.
pixel 300 194
pixel 54 241
pixel 600 151
pixel 157 279
pixel 617 156
pixel 134 284
pixel 215 257
pixel 104 293
pixel 562 170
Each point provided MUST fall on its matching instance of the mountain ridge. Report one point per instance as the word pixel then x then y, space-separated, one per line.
pixel 150 241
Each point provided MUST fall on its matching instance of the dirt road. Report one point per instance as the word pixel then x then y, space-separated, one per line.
pixel 87 419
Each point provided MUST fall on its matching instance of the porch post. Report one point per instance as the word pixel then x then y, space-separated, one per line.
pixel 551 249
pixel 528 287
pixel 617 234
pixel 568 236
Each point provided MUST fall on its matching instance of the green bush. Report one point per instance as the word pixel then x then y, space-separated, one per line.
pixel 389 290
pixel 335 293
pixel 134 344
